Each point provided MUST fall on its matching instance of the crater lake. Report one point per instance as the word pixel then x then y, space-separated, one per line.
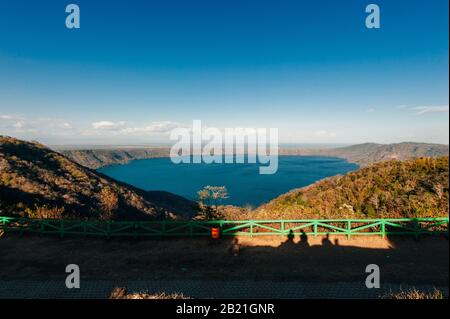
pixel 244 183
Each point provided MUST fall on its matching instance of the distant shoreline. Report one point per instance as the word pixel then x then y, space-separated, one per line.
pixel 361 154
pixel 86 147
pixel 280 155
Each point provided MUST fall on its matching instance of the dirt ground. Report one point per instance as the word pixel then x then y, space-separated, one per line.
pixel 402 260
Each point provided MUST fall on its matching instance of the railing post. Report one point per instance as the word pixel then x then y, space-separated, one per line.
pixel 61 228
pixel 163 228
pixel 21 228
pixel 134 230
pixel 41 228
pixel 416 228
pixel 448 229
pixel 383 228
pixel 282 229
pixel 108 229
pixel 85 228
pixel 349 229
pixel 5 225
pixel 315 228
pixel 251 229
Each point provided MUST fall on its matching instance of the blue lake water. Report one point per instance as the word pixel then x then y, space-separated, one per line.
pixel 243 181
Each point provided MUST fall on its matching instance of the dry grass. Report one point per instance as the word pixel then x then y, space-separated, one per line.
pixel 416 294
pixel 121 293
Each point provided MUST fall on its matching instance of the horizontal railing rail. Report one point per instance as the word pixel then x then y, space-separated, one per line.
pixel 314 227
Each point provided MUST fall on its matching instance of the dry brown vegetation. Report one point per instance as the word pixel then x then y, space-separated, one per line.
pixel 40 183
pixel 370 153
pixel 121 293
pixel 109 202
pixel 416 294
pixel 392 189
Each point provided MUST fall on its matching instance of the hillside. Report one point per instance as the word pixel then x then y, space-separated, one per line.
pixel 394 189
pixel 361 154
pixel 38 182
pixel 369 153
pixel 96 158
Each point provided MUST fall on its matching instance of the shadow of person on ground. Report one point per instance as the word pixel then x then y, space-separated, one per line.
pixel 401 258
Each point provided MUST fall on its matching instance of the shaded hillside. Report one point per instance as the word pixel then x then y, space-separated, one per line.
pixel 38 182
pixel 96 158
pixel 394 189
pixel 369 153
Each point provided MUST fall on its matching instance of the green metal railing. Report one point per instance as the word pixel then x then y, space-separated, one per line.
pixel 316 227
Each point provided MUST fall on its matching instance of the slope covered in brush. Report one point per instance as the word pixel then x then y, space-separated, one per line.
pixel 370 153
pixel 392 189
pixel 38 182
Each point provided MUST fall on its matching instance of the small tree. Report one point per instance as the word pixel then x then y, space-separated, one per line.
pixel 108 202
pixel 209 199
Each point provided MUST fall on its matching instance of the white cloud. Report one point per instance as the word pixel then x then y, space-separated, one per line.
pixel 22 126
pixel 42 126
pixel 15 124
pixel 46 128
pixel 324 134
pixel 108 125
pixel 19 124
pixel 431 109
pixel 65 126
pixel 155 127
pixel 122 128
pixel 7 117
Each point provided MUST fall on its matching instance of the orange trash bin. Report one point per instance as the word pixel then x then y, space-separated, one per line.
pixel 215 233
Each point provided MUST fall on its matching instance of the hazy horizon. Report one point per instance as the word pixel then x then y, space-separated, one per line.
pixel 167 145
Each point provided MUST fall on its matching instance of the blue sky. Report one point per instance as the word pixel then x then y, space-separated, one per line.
pixel 135 69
